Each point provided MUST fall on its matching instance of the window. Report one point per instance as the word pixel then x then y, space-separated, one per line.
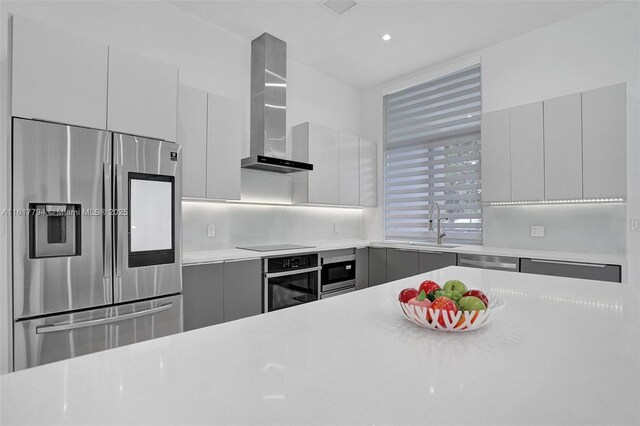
pixel 432 154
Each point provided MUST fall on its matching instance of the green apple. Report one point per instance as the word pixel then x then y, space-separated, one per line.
pixel 453 295
pixel 471 303
pixel 455 285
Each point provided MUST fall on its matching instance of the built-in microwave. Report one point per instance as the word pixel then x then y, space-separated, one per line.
pixel 338 272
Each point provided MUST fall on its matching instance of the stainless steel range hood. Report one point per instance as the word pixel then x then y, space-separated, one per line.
pixel 269 108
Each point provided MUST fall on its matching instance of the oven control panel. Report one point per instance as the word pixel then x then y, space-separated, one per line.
pixel 290 263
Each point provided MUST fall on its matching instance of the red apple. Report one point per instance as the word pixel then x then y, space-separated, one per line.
pixel 480 295
pixel 446 307
pixel 407 294
pixel 428 286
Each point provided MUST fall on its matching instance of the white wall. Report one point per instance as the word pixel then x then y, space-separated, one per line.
pixel 209 58
pixel 594 49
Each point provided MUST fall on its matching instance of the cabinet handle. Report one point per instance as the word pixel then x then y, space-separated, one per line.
pixel 488 264
pixel 241 260
pixel 559 262
pixel 407 250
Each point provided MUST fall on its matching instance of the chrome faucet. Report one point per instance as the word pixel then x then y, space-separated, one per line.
pixel 438 220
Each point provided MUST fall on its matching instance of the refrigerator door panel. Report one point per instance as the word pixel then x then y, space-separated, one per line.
pixel 61 239
pixel 44 340
pixel 147 255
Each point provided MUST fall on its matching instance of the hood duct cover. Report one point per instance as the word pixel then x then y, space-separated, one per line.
pixel 269 108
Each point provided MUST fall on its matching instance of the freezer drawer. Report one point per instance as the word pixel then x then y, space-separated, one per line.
pixel 589 271
pixel 44 340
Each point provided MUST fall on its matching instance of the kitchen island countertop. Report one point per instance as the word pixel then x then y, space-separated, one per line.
pixel 563 351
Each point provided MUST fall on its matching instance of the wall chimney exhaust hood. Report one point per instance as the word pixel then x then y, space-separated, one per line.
pixel 269 108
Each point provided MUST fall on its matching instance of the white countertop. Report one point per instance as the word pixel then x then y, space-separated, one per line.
pixel 563 351
pixel 516 252
pixel 221 255
pixel 212 256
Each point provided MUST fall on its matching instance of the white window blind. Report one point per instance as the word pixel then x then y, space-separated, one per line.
pixel 432 153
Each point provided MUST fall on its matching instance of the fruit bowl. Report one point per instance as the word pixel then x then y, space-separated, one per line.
pixel 443 320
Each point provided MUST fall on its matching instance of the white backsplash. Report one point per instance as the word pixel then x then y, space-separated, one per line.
pixel 239 224
pixel 583 228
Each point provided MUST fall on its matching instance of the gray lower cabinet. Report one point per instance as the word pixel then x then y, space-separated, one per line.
pixel 202 295
pixel 430 261
pixel 362 268
pixel 589 271
pixel 401 263
pixel 377 266
pixel 242 289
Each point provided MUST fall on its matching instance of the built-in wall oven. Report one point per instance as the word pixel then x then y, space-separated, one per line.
pixel 290 281
pixel 338 273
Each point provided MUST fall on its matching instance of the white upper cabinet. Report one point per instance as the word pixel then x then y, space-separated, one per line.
pixel 224 138
pixel 573 148
pixel 604 142
pixel 368 165
pixel 192 135
pixel 143 96
pixel 349 172
pixel 563 148
pixel 496 156
pixel 527 152
pixel 319 146
pixel 57 77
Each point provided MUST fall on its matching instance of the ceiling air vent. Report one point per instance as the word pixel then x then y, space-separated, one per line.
pixel 339 6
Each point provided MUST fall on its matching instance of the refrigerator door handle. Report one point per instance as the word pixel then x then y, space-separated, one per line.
pixel 51 328
pixel 117 207
pixel 106 221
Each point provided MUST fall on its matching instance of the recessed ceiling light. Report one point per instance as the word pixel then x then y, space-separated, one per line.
pixel 386 37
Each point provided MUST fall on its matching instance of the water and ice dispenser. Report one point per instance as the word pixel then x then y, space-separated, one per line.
pixel 54 230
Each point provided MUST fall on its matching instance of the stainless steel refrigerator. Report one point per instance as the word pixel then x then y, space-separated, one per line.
pixel 96 240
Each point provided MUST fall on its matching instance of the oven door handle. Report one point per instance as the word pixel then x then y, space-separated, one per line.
pixel 293 272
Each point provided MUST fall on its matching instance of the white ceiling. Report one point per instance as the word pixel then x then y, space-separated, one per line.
pixel 349 47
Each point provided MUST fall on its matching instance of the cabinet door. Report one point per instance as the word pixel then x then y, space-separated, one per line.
pixel 430 261
pixel 192 135
pixel 324 180
pixel 527 153
pixel 242 289
pixel 224 138
pixel 143 96
pixel 57 77
pixel 588 271
pixel 368 173
pixel 202 295
pixel 496 153
pixel 563 148
pixel 377 266
pixel 401 264
pixel 349 172
pixel 604 142
pixel 362 268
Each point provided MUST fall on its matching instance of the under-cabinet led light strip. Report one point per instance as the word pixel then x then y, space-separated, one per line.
pixel 576 201
pixel 271 204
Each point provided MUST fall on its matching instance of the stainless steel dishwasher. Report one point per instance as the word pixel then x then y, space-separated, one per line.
pixel 483 261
